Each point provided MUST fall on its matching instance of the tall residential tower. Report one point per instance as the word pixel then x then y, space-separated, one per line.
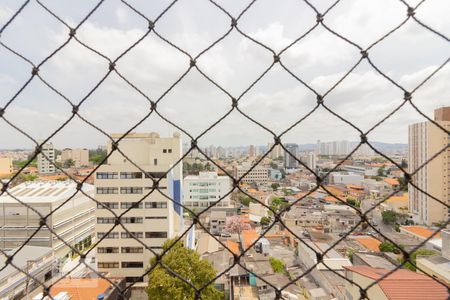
pixel 426 140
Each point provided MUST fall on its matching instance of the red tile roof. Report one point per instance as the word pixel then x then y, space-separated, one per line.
pixel 81 288
pixel 404 284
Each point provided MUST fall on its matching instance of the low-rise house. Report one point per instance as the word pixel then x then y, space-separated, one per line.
pixel 401 284
pixel 90 288
pixel 217 219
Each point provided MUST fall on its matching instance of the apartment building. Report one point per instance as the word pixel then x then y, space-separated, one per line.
pixel 252 152
pixel 312 161
pixel 199 192
pixel 80 157
pixel 290 161
pixel 150 216
pixel 258 174
pixel 425 140
pixel 73 221
pixel 6 166
pixel 45 163
pixel 276 152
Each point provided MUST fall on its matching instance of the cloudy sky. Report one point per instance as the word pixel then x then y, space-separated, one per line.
pixel 408 56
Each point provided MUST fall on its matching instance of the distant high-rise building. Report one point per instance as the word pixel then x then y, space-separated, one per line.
pixel 290 161
pixel 333 148
pixel 312 161
pixel 119 185
pixel 425 140
pixel 252 151
pixel 80 157
pixel 276 152
pixel 46 159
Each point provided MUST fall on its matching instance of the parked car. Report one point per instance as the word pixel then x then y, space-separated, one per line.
pixel 225 234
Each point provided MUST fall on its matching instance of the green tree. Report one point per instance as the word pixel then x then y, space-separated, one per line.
pixel 96 156
pixel 277 265
pixel 275 186
pixel 244 199
pixel 413 257
pixel 186 263
pixel 20 163
pixel 389 247
pixel 265 221
pixel 353 202
pixel 389 217
pixel 68 163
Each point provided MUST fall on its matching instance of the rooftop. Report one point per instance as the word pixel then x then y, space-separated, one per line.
pixel 391 181
pixel 81 288
pixel 44 191
pixel 27 253
pixel 420 231
pixel 368 242
pixel 404 284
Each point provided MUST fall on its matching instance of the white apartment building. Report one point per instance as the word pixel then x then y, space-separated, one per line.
pixel 44 164
pixel 312 161
pixel 74 221
pixel 79 156
pixel 199 192
pixel 258 174
pixel 120 185
pixel 346 178
pixel 425 140
pixel 6 166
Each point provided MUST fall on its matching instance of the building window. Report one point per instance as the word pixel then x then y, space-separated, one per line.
pixel 107 190
pixel 131 190
pixel 131 235
pixel 108 250
pixel 132 249
pixel 131 220
pixel 106 220
pixel 158 188
pixel 111 235
pixel 132 264
pixel 126 205
pixel 155 175
pixel 134 279
pixel 155 204
pixel 130 175
pixel 169 150
pixel 110 205
pixel 156 218
pixel 156 235
pixel 155 161
pixel 107 175
pixel 108 265
pixel 164 150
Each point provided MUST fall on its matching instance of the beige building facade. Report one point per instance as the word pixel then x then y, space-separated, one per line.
pixel 258 174
pixel 149 217
pixel 6 166
pixel 79 156
pixel 425 141
pixel 73 221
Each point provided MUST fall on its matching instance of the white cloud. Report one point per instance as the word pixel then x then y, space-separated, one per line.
pixel 277 101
